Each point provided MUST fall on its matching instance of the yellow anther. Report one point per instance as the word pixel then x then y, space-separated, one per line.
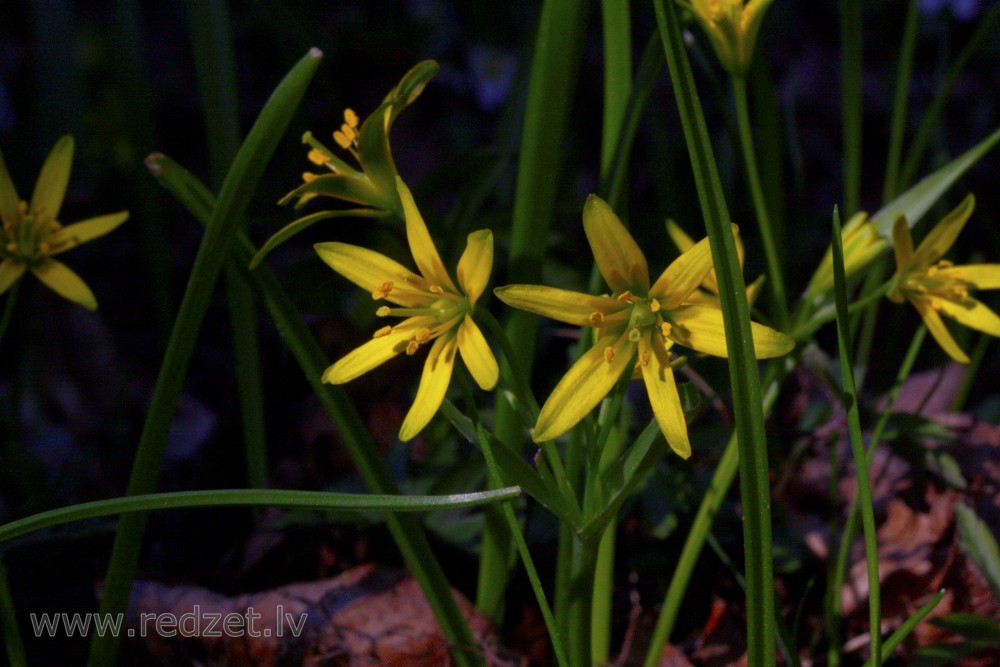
pixel 316 157
pixel 384 331
pixel 666 328
pixel 644 358
pixel 435 289
pixel 625 297
pixel 351 117
pixel 945 264
pixel 932 271
pixel 633 334
pixel 596 319
pixel 422 336
pixel 920 289
pixel 412 347
pixel 382 290
pixel 654 305
pixel 935 303
pixel 308 176
pixel 39 209
pixel 609 354
pixel 349 132
pixel 55 226
pixel 383 311
pixel 341 139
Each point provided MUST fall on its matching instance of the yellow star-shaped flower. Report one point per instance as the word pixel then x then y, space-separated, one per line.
pixel 732 27
pixel 638 322
pixel 708 291
pixel 936 287
pixel 31 234
pixel 437 312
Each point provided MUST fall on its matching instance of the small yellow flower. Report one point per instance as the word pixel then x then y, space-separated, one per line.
pixel 936 287
pixel 31 234
pixel 708 291
pixel 732 27
pixel 637 323
pixel 437 312
pixel 862 244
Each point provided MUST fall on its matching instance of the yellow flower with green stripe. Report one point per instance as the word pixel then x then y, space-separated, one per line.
pixel 438 312
pixel 32 235
pixel 732 27
pixel 936 287
pixel 637 323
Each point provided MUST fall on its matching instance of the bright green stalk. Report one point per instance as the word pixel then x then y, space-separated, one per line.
pixel 857 444
pixel 309 500
pixel 554 70
pixel 904 630
pixel 897 126
pixel 216 67
pixel 747 400
pixel 409 537
pixel 240 183
pixel 851 93
pixel 775 278
pixel 8 624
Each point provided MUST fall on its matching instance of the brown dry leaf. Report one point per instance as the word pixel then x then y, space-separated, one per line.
pixel 366 617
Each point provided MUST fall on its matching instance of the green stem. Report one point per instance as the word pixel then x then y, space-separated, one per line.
pixel 8 309
pixel 237 191
pixel 583 563
pixel 775 278
pixel 897 126
pixel 976 358
pixel 16 656
pixel 851 94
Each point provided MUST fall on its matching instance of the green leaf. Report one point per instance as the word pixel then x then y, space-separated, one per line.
pixel 978 542
pixel 293 228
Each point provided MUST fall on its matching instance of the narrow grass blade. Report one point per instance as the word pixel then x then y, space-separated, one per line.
pixel 851 94
pixel 9 631
pixel 904 630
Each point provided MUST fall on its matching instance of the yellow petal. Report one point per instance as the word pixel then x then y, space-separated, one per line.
pixel 902 244
pixel 10 271
pixel 63 281
pixel 982 276
pixel 683 275
pixel 973 314
pixel 421 246
pixel 476 263
pixel 8 194
pixel 618 256
pixel 477 355
pixel 679 236
pixel 374 353
pixel 701 328
pixel 73 235
pixel 587 382
pixel 940 332
pixel 51 186
pixel 434 383
pixel 940 239
pixel 369 270
pixel 662 390
pixel 559 304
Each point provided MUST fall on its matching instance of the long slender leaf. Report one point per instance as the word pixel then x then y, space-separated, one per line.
pixel 978 542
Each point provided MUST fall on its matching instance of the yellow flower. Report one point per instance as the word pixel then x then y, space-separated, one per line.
pixel 638 322
pixel 936 287
pixel 732 27
pixel 32 235
pixel 862 244
pixel 708 291
pixel 437 312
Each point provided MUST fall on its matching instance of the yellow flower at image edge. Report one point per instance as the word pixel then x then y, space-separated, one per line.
pixel 31 234
pixel 936 287
pixel 637 323
pixel 732 26
pixel 438 313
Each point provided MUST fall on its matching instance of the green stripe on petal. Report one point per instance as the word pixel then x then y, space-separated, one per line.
pixel 476 263
pixel 701 328
pixel 8 193
pixel 982 276
pixel 662 390
pixel 683 276
pixel 618 257
pixel 586 383
pixel 477 355
pixel 73 235
pixel 369 270
pixel 940 332
pixel 973 314
pixel 10 271
pixel 372 354
pixel 52 180
pixel 434 383
pixel 421 245
pixel 559 304
pixel 940 239
pixel 63 281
